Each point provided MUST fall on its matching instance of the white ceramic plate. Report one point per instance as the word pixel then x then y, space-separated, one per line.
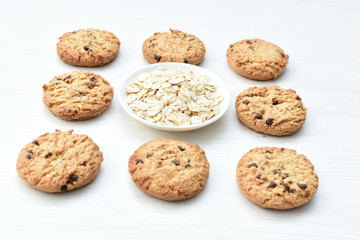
pixel 221 87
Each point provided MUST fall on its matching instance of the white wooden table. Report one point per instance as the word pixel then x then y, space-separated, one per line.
pixel 322 39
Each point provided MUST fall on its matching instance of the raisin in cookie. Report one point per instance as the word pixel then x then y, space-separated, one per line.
pixel 271 110
pixel 77 95
pixel 257 59
pixel 174 46
pixel 277 178
pixel 59 161
pixel 88 47
pixel 169 169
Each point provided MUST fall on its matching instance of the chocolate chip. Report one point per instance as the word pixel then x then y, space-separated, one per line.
pixel 259 116
pixel 268 151
pixel 191 39
pixel 149 155
pixel 188 161
pixel 287 188
pixel 91 85
pixel 269 121
pixel 63 188
pixel 186 61
pixel 258 176
pixel 283 55
pixel 231 45
pixel 181 148
pixel 292 190
pixel 84 164
pixel 28 156
pixel 272 185
pixel 251 95
pixel 157 58
pixel 246 102
pixel 275 101
pixel 74 177
pixel 187 165
pixel 86 47
pixel 176 162
pixel 67 77
pixel 284 175
pixel 30 151
pixel 302 186
pixel 93 79
pixel 49 154
pixel 248 42
pixel 252 165
pixel 275 171
pixel 138 161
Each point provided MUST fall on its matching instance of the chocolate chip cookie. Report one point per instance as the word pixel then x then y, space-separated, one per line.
pixel 169 169
pixel 77 95
pixel 271 110
pixel 88 47
pixel 59 161
pixel 174 46
pixel 257 59
pixel 277 178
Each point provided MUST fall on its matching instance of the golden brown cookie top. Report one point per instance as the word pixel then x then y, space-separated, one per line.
pixel 88 47
pixel 271 109
pixel 257 59
pixel 277 178
pixel 174 46
pixel 169 169
pixel 59 161
pixel 77 95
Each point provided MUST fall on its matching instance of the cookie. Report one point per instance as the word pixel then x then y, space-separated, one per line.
pixel 277 178
pixel 77 95
pixel 271 110
pixel 257 59
pixel 88 47
pixel 168 169
pixel 59 161
pixel 174 46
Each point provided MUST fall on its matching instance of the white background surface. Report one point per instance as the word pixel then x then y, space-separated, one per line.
pixel 322 39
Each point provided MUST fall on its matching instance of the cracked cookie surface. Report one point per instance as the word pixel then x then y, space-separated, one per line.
pixel 271 110
pixel 77 95
pixel 174 46
pixel 169 169
pixel 257 59
pixel 276 178
pixel 88 47
pixel 59 161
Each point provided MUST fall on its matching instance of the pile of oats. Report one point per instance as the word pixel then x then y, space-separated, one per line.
pixel 173 97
